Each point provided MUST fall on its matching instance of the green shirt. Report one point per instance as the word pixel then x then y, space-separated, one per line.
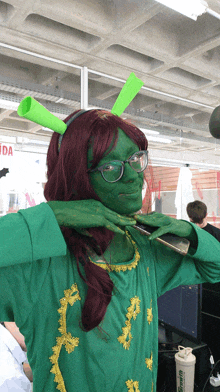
pixel 42 292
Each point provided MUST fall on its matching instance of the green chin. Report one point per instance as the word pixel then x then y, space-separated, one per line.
pixel 124 204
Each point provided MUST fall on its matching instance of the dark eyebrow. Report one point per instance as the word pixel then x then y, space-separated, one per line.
pixel 130 153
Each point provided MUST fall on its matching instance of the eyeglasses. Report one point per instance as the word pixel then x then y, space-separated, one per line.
pixel 113 171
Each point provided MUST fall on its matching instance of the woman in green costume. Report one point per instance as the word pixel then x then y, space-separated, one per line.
pixel 79 281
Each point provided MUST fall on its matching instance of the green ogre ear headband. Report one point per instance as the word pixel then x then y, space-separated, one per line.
pixel 32 110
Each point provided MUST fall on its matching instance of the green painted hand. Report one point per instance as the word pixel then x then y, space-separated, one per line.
pixel 166 224
pixel 83 214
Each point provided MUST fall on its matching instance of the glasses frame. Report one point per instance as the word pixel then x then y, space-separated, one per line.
pixel 100 168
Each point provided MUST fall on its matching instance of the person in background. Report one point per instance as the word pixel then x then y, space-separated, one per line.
pixel 15 372
pixel 197 212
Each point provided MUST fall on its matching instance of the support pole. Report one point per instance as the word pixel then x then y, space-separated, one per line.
pixel 84 88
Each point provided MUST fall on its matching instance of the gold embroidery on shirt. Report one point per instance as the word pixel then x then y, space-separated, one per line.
pixel 66 338
pixel 148 271
pixel 131 384
pixel 124 267
pixel 149 314
pixel 152 388
pixel 133 311
pixel 118 268
pixel 149 362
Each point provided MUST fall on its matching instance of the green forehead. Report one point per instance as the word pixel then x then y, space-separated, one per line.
pixel 123 148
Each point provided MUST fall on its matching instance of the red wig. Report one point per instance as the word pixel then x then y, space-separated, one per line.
pixel 68 180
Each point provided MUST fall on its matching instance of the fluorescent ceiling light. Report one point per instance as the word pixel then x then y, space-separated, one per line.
pixel 149 131
pixel 190 8
pixel 9 105
pixel 158 139
pixel 47 129
pixel 59 100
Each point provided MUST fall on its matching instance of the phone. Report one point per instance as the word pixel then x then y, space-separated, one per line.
pixel 178 244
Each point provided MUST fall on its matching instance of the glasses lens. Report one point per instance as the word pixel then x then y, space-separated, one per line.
pixel 139 161
pixel 112 171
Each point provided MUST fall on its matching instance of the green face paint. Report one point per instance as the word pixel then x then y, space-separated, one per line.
pixel 125 195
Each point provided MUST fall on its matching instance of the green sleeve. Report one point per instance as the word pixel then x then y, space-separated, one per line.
pixel 30 235
pixel 202 265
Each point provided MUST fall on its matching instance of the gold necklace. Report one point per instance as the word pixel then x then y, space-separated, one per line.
pixel 124 267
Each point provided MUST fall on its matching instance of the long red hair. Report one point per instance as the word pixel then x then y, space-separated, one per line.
pixel 68 180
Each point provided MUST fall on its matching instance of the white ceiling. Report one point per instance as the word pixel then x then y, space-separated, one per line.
pixel 176 57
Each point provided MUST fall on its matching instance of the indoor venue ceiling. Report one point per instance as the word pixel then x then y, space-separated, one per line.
pixel 177 58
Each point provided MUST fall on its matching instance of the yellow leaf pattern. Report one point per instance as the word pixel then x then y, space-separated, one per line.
pixel 149 314
pixel 131 385
pixel 149 362
pixel 66 338
pixel 133 311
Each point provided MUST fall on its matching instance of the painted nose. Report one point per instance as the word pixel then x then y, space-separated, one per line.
pixel 130 174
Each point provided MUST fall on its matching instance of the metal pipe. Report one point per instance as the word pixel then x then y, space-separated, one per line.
pixel 152 90
pixel 179 163
pixel 101 74
pixel 39 55
pixel 84 88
